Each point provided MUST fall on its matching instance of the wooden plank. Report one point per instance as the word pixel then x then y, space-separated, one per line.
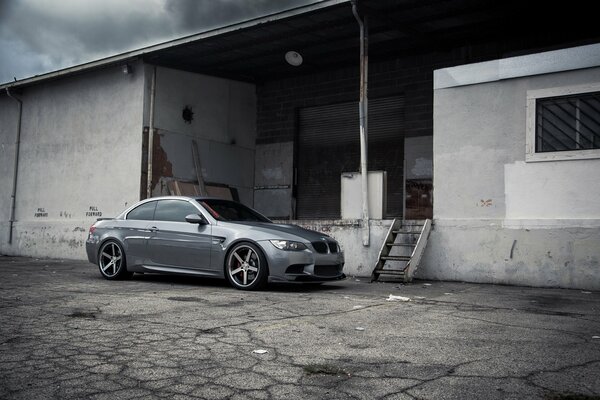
pixel 197 167
pixel 221 192
pixel 417 253
pixel 179 188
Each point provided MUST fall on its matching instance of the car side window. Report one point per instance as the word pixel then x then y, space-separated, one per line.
pixel 144 212
pixel 174 210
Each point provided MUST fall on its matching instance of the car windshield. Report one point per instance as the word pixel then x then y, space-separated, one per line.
pixel 225 210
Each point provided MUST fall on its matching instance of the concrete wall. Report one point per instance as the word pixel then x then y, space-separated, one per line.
pixel 223 125
pixel 80 158
pixel 498 218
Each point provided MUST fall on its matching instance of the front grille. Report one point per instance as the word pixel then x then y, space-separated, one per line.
pixel 327 270
pixel 325 247
pixel 333 247
pixel 295 269
pixel 320 247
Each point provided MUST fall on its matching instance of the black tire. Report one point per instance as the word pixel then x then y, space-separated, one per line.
pixel 246 267
pixel 111 261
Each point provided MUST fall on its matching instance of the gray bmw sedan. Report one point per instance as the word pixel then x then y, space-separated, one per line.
pixel 213 238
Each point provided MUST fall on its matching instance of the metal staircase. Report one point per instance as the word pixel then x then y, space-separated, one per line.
pixel 402 249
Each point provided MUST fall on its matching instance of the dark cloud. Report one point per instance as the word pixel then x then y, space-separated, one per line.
pixel 38 36
pixel 191 14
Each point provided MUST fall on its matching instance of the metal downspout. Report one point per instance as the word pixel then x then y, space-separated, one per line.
pixel 363 116
pixel 151 133
pixel 13 197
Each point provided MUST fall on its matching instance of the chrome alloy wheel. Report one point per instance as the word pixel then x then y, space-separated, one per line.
pixel 245 267
pixel 111 260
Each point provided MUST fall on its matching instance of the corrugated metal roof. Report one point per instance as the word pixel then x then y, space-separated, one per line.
pixel 326 34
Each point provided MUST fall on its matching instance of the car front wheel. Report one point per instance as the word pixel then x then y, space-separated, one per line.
pixel 111 261
pixel 246 267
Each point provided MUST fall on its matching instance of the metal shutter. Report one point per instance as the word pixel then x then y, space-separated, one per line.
pixel 329 144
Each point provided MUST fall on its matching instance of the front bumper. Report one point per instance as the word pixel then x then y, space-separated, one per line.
pixel 303 266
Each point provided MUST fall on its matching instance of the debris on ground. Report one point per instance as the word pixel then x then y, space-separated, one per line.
pixel 397 298
pixel 260 351
pixel 359 328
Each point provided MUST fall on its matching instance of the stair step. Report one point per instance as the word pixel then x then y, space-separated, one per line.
pixel 401 244
pixel 389 272
pixel 416 233
pixel 396 258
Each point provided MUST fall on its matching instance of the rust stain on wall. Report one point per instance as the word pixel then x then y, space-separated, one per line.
pixel 161 166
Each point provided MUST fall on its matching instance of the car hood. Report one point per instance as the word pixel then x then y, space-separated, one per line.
pixel 295 230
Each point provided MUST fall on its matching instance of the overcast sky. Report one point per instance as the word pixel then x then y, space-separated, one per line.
pixel 39 36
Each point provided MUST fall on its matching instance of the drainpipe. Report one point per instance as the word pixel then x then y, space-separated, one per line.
pixel 13 196
pixel 151 133
pixel 363 116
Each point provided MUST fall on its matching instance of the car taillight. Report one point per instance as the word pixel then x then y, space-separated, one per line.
pixel 92 229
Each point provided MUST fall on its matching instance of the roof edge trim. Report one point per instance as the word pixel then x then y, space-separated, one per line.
pixel 133 54
pixel 516 67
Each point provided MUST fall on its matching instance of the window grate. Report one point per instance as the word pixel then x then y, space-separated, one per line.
pixel 568 123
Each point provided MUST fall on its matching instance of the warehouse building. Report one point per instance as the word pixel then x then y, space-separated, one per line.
pixel 266 111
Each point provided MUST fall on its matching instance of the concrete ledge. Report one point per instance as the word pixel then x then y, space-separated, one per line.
pixel 50 238
pixel 564 257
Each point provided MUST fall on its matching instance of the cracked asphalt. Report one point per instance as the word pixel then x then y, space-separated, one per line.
pixel 66 333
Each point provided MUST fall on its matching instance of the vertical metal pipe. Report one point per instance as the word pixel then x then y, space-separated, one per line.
pixel 13 196
pixel 151 133
pixel 363 115
pixel 404 190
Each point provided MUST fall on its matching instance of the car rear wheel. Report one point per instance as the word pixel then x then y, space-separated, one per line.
pixel 246 267
pixel 111 261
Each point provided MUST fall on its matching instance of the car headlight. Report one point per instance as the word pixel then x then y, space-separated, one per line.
pixel 288 245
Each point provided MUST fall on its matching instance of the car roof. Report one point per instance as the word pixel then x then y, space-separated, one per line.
pixel 197 198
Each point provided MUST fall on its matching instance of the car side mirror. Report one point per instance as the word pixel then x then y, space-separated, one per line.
pixel 196 219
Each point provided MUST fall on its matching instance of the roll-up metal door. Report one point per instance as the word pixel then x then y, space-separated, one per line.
pixel 329 144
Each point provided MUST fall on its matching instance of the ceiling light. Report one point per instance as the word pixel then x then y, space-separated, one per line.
pixel 293 58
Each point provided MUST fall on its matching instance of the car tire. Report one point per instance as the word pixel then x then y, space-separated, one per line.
pixel 112 262
pixel 246 267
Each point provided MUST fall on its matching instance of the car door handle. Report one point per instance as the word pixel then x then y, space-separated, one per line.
pixel 153 229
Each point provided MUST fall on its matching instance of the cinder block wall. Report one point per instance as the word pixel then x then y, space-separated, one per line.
pixel 278 100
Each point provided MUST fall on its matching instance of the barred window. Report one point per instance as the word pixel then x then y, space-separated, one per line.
pixel 563 123
pixel 568 123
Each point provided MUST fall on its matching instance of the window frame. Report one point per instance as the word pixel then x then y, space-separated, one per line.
pixel 532 96
pixel 139 206
pixel 163 201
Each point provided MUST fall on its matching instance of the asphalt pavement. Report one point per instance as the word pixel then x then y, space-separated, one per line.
pixel 66 333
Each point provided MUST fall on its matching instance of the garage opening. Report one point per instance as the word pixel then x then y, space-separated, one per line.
pixel 328 145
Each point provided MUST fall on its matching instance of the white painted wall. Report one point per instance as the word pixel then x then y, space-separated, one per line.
pixel 80 153
pixel 498 218
pixel 223 125
pixel 8 136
